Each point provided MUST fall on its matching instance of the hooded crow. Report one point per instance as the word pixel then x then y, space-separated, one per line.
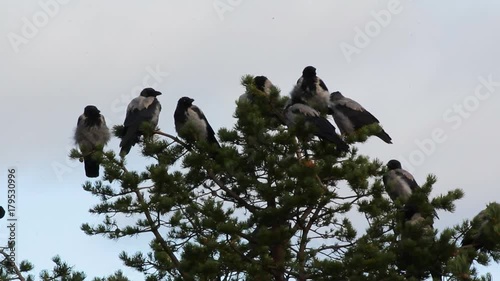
pixel 191 124
pixel 91 132
pixel 262 84
pixel 264 88
pixel 400 184
pixel 144 108
pixel 320 126
pixel 311 90
pixel 351 116
pixel 483 223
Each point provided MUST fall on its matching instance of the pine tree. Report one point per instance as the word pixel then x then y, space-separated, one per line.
pixel 274 204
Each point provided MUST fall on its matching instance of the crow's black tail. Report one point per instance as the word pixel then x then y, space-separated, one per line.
pixel 216 143
pixel 214 150
pixel 125 150
pixel 129 139
pixel 384 136
pixel 326 130
pixel 91 167
pixel 410 209
pixel 341 145
pixel 215 146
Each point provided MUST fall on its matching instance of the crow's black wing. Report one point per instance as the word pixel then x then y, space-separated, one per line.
pixel 210 131
pixel 323 85
pixel 80 120
pixel 138 113
pixel 325 130
pixel 356 113
pixel 408 178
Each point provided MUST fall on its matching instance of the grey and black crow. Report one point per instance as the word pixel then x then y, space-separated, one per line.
pixel 320 126
pixel 311 90
pixel 91 134
pixel 351 116
pixel 191 124
pixel 483 234
pixel 262 84
pixel 144 108
pixel 400 184
pixel 481 224
pixel 264 87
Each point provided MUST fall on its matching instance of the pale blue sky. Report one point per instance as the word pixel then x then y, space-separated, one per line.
pixel 428 58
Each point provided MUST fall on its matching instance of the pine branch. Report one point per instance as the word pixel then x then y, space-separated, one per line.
pixel 154 230
pixel 13 265
pixel 231 193
pixel 303 245
pixel 175 139
pixel 228 191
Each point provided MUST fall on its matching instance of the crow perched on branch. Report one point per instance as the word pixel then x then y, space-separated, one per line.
pixel 351 116
pixel 311 90
pixel 400 184
pixel 191 124
pixel 320 126
pixel 262 84
pixel 91 132
pixel 144 108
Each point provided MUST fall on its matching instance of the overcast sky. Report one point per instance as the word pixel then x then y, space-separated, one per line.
pixel 426 69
